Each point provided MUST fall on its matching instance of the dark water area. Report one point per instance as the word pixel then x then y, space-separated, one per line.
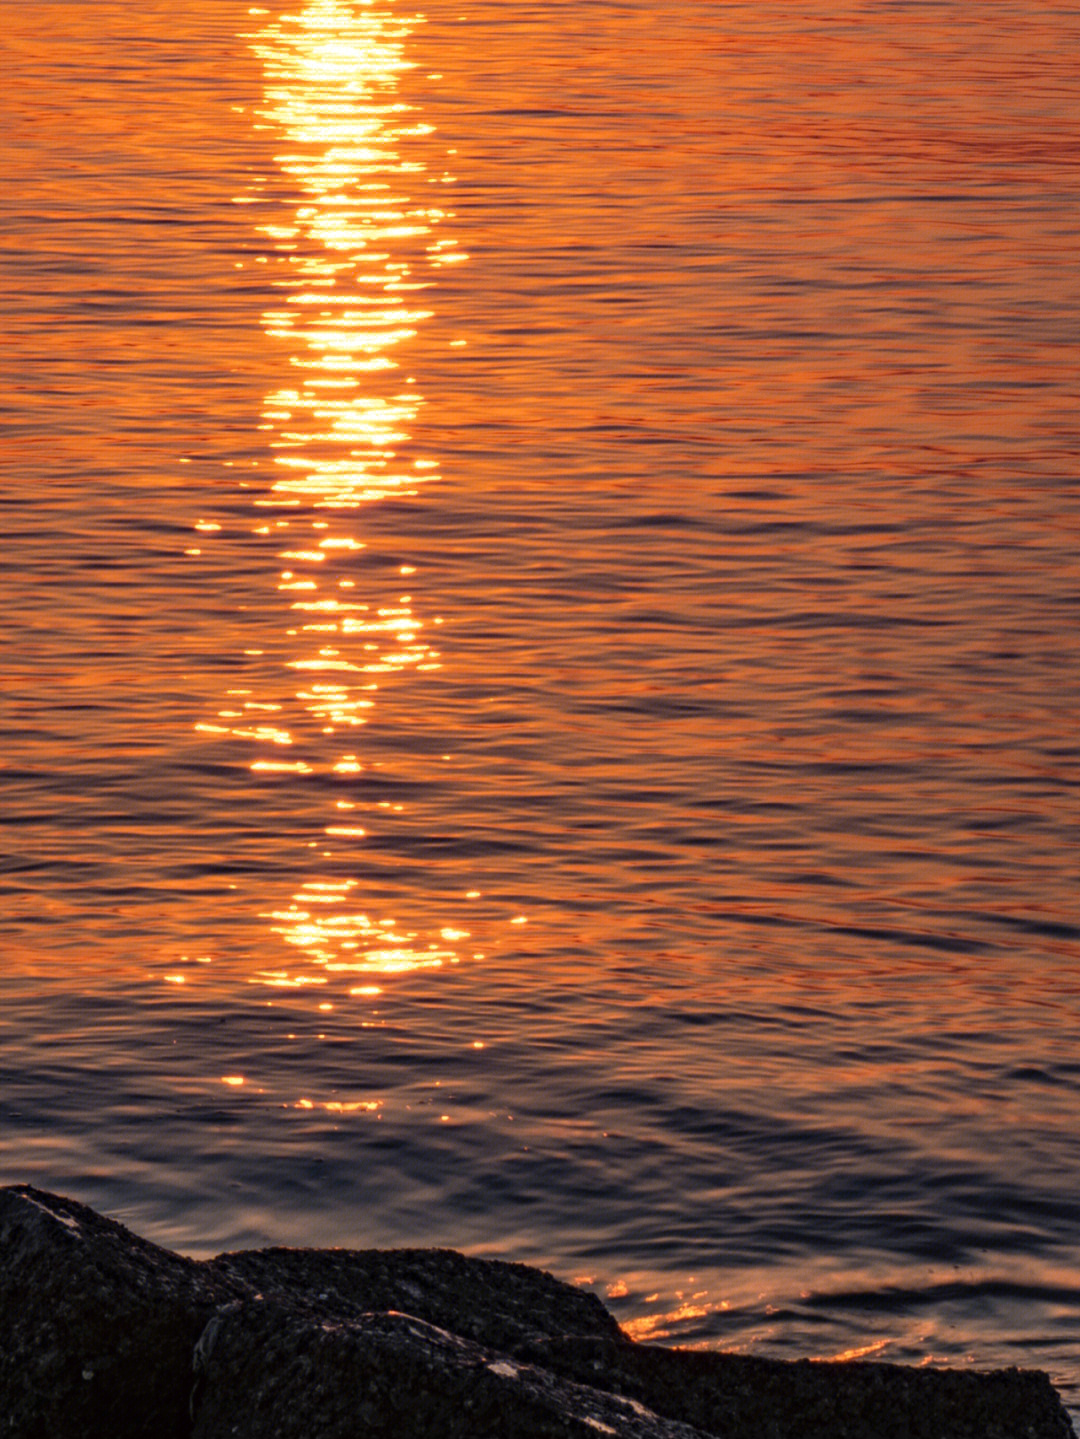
pixel 542 650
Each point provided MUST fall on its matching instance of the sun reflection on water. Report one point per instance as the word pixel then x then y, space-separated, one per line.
pixel 348 269
pixel 351 252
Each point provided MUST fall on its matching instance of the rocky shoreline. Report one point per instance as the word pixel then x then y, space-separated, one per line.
pixel 104 1335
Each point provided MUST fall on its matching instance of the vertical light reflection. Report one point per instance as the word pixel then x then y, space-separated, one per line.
pixel 348 296
pixel 345 267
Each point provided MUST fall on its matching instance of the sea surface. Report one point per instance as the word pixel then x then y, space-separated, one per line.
pixel 541 669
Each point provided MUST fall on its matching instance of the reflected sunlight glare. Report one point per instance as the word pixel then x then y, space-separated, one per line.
pixel 345 270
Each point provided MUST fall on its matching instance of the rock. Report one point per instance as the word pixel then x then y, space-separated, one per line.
pixel 106 1336
pixel 96 1325
pixel 272 1373
pixel 737 1395
pixel 497 1304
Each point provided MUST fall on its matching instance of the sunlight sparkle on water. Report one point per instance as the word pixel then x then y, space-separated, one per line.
pixel 344 268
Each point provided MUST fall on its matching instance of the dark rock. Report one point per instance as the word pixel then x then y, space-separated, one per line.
pixel 105 1336
pixel 96 1324
pixel 733 1394
pixel 267 1372
pixel 497 1304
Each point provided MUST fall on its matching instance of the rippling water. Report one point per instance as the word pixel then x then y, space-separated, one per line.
pixel 540 711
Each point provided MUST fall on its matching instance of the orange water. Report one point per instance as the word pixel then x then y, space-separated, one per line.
pixel 540 704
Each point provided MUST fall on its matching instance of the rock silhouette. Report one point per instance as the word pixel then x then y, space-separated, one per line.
pixel 104 1335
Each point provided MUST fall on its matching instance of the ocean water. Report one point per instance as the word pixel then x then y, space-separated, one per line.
pixel 542 654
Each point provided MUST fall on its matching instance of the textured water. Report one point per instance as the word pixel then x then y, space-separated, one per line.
pixel 541 667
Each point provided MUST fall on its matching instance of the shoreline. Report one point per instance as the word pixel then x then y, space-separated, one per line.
pixel 104 1335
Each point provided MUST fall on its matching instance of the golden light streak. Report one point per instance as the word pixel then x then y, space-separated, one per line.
pixel 346 262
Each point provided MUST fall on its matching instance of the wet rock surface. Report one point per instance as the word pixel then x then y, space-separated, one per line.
pixel 104 1334
pixel 497 1304
pixel 96 1325
pixel 734 1394
pixel 271 1371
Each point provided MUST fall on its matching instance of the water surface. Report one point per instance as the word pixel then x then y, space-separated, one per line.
pixel 540 704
